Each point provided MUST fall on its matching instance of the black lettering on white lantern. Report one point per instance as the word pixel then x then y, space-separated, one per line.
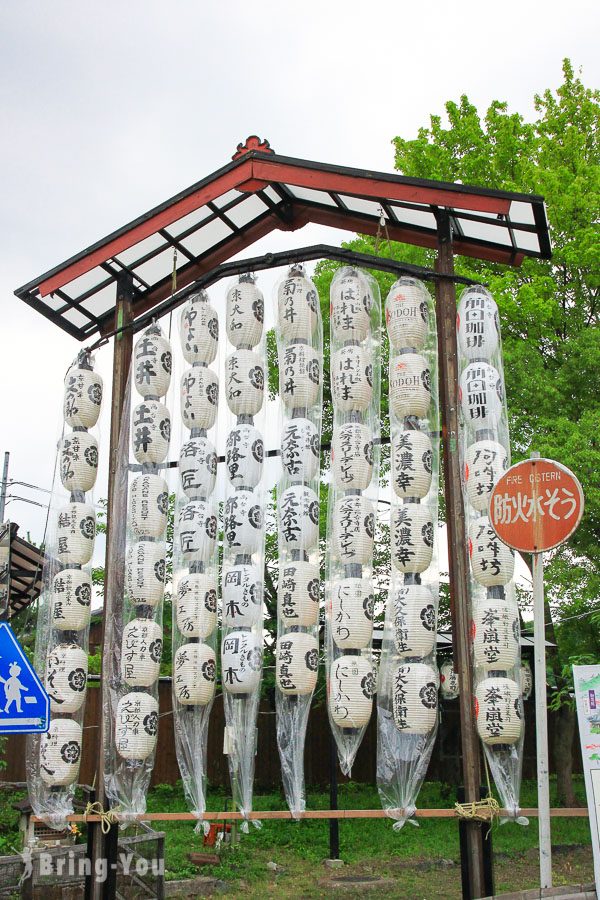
pixel 481 396
pixel 351 688
pixel 300 450
pixel 407 314
pixel 75 533
pixel 199 330
pixel 245 314
pixel 485 462
pixel 196 605
pixel 477 323
pixel 242 596
pixel 353 530
pixel 297 307
pixel 78 464
pixel 66 678
pixel 194 674
pixel 351 304
pixel 414 698
pixel 496 634
pixel 412 537
pixel 145 572
pixel 82 398
pixel 148 505
pixel 412 462
pixel 198 468
pixel 199 397
pixel 352 604
pixel 352 456
pixel 150 431
pixel 136 725
pixel 71 600
pixel 351 379
pixel 244 455
pixel 299 517
pixel 60 753
pixel 141 652
pixel 152 364
pixel 410 385
pixel 197 531
pixel 244 382
pixel 413 616
pixel 297 663
pixel 298 593
pixel 299 376
pixel 498 711
pixel 449 686
pixel 241 662
pixel 492 562
pixel 526 680
pixel 243 522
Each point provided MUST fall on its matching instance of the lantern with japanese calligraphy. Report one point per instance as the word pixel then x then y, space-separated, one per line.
pixel 352 456
pixel 297 663
pixel 351 378
pixel 150 431
pixel 243 522
pixel 66 678
pixel 197 468
pixel 245 313
pixel 145 572
pixel 244 455
pixel 148 505
pixel 241 662
pixel 350 693
pixel 300 450
pixel 299 376
pixel 413 613
pixel 298 593
pixel 352 603
pixel 407 313
pixel 481 396
pixel 351 303
pixel 78 461
pixel 410 385
pixel 60 753
pixel 136 726
pixel 244 382
pixel 82 397
pixel 498 711
pixel 485 462
pixel 71 600
pixel 449 686
pixel 412 459
pixel 492 562
pixel 477 324
pixel 194 674
pixel 297 305
pixel 199 393
pixel 152 363
pixel 196 605
pixel 197 530
pixel 415 698
pixel 299 517
pixel 526 680
pixel 141 651
pixel 495 631
pixel 75 533
pixel 199 330
pixel 412 537
pixel 242 596
pixel 353 530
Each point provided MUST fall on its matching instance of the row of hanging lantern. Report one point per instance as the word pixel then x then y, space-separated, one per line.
pixel 495 626
pixel 355 347
pixel 244 533
pixel 195 548
pixel 408 677
pixel 300 356
pixel 53 759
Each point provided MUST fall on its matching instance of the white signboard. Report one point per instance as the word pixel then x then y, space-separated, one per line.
pixel 587 694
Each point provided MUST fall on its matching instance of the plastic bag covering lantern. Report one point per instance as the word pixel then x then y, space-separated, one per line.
pixel 152 361
pixel 141 652
pixel 145 572
pixel 408 678
pixel 299 333
pixel 195 550
pixel 244 532
pixel 151 431
pixel 355 341
pixel 485 455
pixel 526 681
pixel 61 647
pixel 149 506
pixel 449 687
pixel 137 726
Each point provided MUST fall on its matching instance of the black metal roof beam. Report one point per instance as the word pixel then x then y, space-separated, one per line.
pixel 174 242
pixel 223 217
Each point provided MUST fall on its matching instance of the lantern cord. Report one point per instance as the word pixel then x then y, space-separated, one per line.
pixel 174 275
pixel 107 817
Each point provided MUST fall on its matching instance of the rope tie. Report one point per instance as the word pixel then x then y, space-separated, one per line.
pixel 107 817
pixel 481 811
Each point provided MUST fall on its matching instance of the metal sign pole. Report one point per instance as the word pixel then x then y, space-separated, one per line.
pixel 541 722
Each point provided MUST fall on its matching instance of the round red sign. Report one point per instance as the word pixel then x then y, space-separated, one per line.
pixel 536 505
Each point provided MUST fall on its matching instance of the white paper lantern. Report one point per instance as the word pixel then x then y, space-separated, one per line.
pixel 66 677
pixel 410 385
pixel 148 505
pixel 407 314
pixel 196 605
pixel 75 533
pixel 244 382
pixel 60 753
pixel 351 379
pixel 352 456
pixel 152 363
pixel 353 530
pixel 199 330
pixel 299 376
pixel 197 531
pixel 78 455
pixel 298 593
pixel 351 616
pixel 297 304
pixel 199 391
pixel 150 431
pixel 244 454
pixel 481 395
pixel 492 562
pixel 242 596
pixel 412 537
pixel 198 468
pixel 241 662
pixel 194 674
pixel 300 450
pixel 297 663
pixel 414 620
pixel 243 522
pixel 82 398
pixel 449 685
pixel 145 572
pixel 350 307
pixel 350 691
pixel 496 633
pixel 485 462
pixel 136 725
pixel 477 324
pixel 498 711
pixel 71 600
pixel 414 698
pixel 526 680
pixel 412 461
pixel 299 517
pixel 141 652
pixel 245 314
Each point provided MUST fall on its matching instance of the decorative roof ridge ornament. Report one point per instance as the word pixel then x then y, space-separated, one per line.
pixel 253 142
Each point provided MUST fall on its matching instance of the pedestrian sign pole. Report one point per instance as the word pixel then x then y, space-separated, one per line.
pixel 24 704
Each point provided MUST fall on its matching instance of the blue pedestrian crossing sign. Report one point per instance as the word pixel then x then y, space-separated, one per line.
pixel 24 704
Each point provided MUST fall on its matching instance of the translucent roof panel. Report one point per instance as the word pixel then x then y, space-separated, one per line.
pixel 260 191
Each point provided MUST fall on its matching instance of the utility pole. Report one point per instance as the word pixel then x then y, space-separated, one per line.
pixel 4 486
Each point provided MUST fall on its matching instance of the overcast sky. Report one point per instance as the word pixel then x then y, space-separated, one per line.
pixel 110 108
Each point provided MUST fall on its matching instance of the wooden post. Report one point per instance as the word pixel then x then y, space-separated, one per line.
pixel 116 525
pixel 445 296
